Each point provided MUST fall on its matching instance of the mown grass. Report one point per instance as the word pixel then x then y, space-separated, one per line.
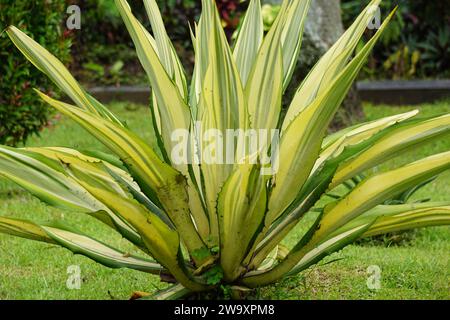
pixel 30 270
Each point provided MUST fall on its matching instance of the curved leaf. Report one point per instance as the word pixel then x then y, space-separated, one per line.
pixel 58 73
pixel 78 243
pixel 393 144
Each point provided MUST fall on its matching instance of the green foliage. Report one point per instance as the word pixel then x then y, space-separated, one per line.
pixel 107 56
pixel 22 113
pixel 402 64
pixel 200 254
pixel 177 13
pixel 269 13
pixel 214 275
pixel 436 52
pixel 111 44
pixel 97 55
pixel 417 43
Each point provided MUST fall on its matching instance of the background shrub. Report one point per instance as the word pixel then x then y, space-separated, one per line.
pixel 417 43
pixel 107 56
pixel 21 111
pixel 102 51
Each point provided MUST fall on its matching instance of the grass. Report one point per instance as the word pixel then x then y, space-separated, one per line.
pixel 30 270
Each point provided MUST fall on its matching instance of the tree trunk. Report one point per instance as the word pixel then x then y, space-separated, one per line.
pixel 323 28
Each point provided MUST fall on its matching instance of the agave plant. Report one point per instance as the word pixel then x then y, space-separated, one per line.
pixel 205 225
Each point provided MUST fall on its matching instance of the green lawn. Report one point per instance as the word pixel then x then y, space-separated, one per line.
pixel 29 270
